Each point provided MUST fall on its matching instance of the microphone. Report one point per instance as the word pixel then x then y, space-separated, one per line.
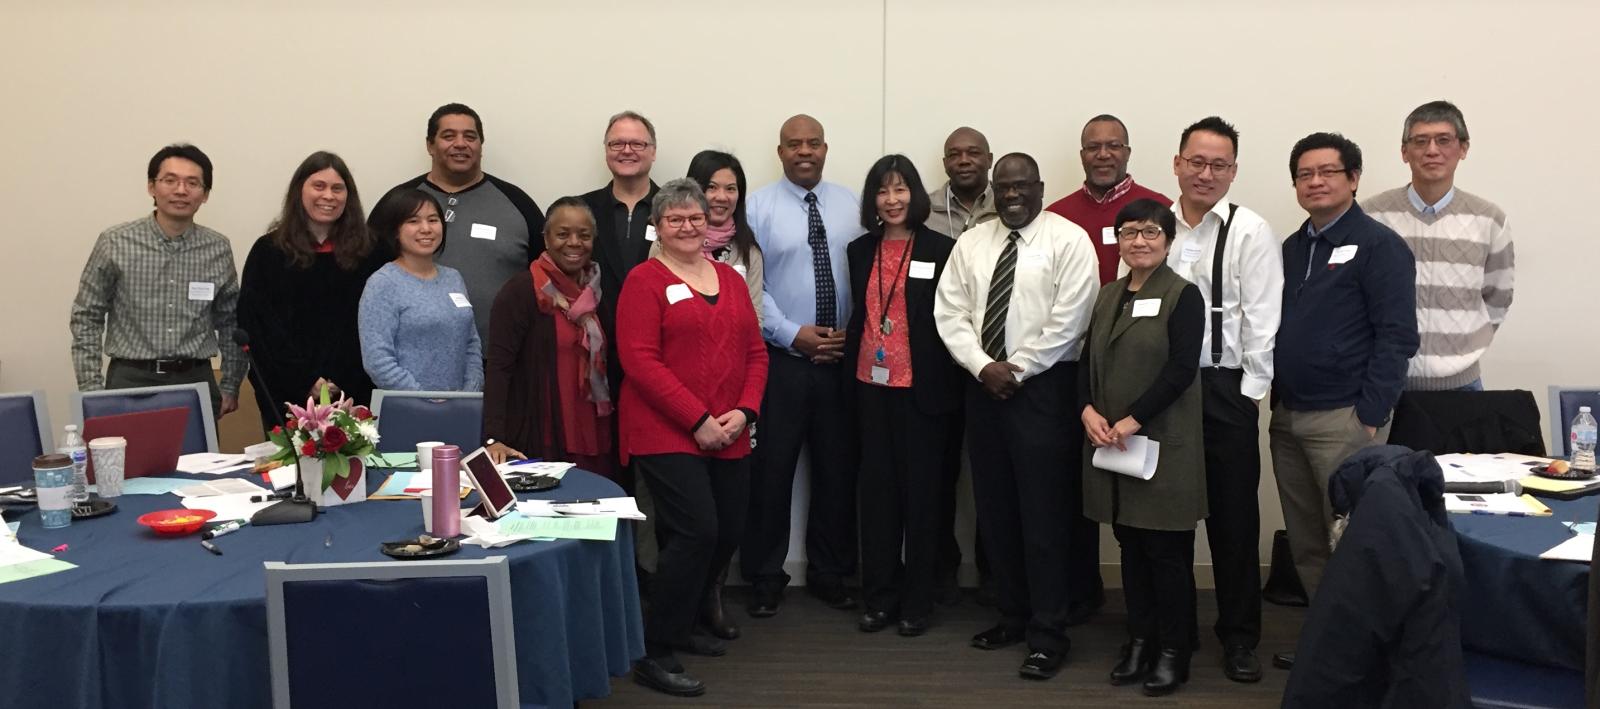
pixel 293 509
pixel 1485 488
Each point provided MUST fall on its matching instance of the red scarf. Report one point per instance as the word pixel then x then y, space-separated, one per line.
pixel 554 291
pixel 718 237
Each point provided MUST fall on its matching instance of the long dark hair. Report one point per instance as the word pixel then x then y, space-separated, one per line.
pixel 291 231
pixel 705 164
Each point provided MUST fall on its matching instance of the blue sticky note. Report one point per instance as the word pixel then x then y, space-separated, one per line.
pixel 154 486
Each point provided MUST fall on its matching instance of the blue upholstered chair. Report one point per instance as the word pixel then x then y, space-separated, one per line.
pixel 406 418
pixel 1564 403
pixel 24 433
pixel 1498 683
pixel 391 634
pixel 199 434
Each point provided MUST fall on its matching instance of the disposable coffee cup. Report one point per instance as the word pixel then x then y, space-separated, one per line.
pixel 427 511
pixel 425 454
pixel 109 454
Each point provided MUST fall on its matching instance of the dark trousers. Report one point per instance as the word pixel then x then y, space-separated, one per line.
pixel 120 376
pixel 1158 583
pixel 1233 527
pixel 700 508
pixel 807 405
pixel 902 487
pixel 1026 475
pixel 949 545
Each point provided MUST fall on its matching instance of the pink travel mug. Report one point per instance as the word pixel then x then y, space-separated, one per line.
pixel 447 491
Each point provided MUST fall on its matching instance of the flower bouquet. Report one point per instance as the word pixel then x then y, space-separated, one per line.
pixel 328 442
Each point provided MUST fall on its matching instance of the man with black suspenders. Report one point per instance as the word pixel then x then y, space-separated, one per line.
pixel 1232 255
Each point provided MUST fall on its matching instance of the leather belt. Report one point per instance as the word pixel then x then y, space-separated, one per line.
pixel 163 366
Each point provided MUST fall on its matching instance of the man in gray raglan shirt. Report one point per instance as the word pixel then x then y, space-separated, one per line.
pixel 494 228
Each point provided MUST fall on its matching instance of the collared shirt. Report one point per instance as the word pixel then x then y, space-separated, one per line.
pixel 780 218
pixel 1113 194
pixel 1052 294
pixel 952 217
pixel 1252 288
pixel 145 296
pixel 1426 209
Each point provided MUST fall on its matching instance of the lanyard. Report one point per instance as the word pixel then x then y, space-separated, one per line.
pixel 885 325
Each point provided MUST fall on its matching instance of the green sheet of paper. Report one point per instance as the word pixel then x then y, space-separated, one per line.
pixel 597 528
pixel 392 460
pixel 30 569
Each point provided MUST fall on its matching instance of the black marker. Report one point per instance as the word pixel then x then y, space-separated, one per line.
pixel 211 547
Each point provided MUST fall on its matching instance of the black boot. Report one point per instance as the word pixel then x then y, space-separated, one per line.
pixel 712 614
pixel 1170 671
pixel 1137 656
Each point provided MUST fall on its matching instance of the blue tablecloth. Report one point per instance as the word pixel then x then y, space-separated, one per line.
pixel 1519 606
pixel 160 623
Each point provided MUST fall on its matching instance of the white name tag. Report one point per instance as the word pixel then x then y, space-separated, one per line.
pixel 202 290
pixel 1146 308
pixel 649 232
pixel 1191 252
pixel 1034 259
pixel 1342 254
pixel 1108 235
pixel 741 270
pixel 460 299
pixel 920 269
pixel 483 231
pixel 880 375
pixel 677 292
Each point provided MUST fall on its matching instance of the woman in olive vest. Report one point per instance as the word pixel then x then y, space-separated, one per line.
pixel 1138 378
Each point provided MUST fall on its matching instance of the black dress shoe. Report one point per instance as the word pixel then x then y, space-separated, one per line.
pixel 1239 664
pixel 874 621
pixel 1041 664
pixel 712 615
pixel 997 637
pixel 704 646
pixel 667 676
pixel 1137 656
pixel 836 596
pixel 1283 660
pixel 1170 671
pixel 912 627
pixel 763 602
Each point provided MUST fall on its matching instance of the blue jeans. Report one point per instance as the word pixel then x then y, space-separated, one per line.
pixel 1474 385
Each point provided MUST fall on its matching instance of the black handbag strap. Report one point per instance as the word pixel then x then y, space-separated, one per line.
pixel 1216 287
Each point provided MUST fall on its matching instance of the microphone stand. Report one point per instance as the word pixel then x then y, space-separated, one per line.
pixel 298 508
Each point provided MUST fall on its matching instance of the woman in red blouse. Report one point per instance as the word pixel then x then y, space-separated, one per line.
pixel 908 395
pixel 696 369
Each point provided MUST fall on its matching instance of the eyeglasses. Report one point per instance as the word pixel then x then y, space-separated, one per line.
pixel 449 214
pixel 1325 172
pixel 1420 142
pixel 637 146
pixel 1113 146
pixel 1148 233
pixel 172 182
pixel 677 222
pixel 1199 165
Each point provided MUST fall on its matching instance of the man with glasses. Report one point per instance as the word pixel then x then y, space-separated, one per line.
pixel 494 228
pixel 1231 254
pixel 1349 324
pixel 159 293
pixel 1465 261
pixel 621 208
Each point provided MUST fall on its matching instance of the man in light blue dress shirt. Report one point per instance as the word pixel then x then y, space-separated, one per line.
pixel 803 225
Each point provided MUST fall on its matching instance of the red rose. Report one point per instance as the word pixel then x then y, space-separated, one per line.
pixel 291 423
pixel 277 430
pixel 309 448
pixel 333 438
pixel 362 413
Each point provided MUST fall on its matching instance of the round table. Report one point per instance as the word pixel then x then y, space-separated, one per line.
pixel 1517 605
pixel 157 622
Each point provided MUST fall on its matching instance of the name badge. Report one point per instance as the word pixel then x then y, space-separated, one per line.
pixel 1108 235
pixel 677 292
pixel 1342 254
pixel 920 269
pixel 1191 252
pixel 483 231
pixel 460 299
pixel 202 290
pixel 649 232
pixel 880 375
pixel 1146 308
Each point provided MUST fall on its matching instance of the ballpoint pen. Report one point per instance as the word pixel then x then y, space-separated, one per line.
pixel 210 547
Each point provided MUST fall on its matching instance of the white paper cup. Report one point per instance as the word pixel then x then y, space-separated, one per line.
pixel 427 511
pixel 425 454
pixel 110 454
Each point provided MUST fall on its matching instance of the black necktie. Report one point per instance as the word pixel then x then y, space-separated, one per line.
pixel 994 316
pixel 821 265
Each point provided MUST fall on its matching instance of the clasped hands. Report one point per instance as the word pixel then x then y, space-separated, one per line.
pixel 819 344
pixel 1101 433
pixel 718 432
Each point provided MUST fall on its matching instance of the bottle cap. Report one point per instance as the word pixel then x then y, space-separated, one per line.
pixel 1583 409
pixel 72 427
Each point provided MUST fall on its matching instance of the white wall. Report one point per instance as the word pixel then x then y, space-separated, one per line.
pixel 91 91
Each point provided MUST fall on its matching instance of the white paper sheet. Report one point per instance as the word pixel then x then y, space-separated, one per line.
pixel 211 463
pixel 228 507
pixel 1499 503
pixel 13 553
pixel 1578 548
pixel 619 507
pixel 1479 468
pixel 222 486
pixel 551 468
pixel 1138 461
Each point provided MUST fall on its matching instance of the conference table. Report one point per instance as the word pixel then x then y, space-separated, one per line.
pixel 1516 605
pixel 149 622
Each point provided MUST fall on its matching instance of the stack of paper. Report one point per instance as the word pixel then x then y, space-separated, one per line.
pixel 212 463
pixel 229 507
pixel 18 562
pixel 1500 503
pixel 1482 467
pixel 549 468
pixel 223 486
pixel 1138 460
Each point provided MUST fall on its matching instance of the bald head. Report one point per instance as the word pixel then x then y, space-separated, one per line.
pixel 966 162
pixel 1018 192
pixel 802 150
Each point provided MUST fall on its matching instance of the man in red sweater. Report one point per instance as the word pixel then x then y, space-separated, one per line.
pixel 1107 188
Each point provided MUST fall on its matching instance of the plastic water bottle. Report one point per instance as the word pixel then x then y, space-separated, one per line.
pixel 1583 436
pixel 72 447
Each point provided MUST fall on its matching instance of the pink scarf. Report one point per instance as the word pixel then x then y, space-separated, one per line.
pixel 718 237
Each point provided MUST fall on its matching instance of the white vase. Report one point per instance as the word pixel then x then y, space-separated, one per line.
pixel 343 492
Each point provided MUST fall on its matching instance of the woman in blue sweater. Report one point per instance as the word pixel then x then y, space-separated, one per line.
pixel 417 331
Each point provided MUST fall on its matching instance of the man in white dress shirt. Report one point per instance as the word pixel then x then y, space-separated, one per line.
pixel 1013 309
pixel 1243 290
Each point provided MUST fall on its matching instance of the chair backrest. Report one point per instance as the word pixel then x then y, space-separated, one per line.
pixel 406 418
pixel 199 434
pixel 1564 403
pixel 421 633
pixel 24 433
pixel 1507 684
pixel 1504 421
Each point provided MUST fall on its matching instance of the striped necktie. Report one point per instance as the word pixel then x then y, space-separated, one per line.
pixel 821 265
pixel 994 316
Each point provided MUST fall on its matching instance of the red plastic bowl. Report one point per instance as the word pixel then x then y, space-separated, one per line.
pixel 176 523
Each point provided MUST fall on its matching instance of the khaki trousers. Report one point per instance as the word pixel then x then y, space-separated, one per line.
pixel 1307 447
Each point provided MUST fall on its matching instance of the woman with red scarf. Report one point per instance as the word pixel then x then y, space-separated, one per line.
pixel 545 391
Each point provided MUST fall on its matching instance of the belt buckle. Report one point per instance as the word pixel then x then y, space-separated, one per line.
pixel 161 362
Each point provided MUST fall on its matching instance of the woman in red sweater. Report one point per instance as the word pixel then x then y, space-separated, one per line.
pixel 696 368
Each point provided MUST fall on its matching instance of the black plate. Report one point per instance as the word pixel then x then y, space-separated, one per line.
pixel 1542 472
pixel 95 507
pixel 397 549
pixel 534 483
